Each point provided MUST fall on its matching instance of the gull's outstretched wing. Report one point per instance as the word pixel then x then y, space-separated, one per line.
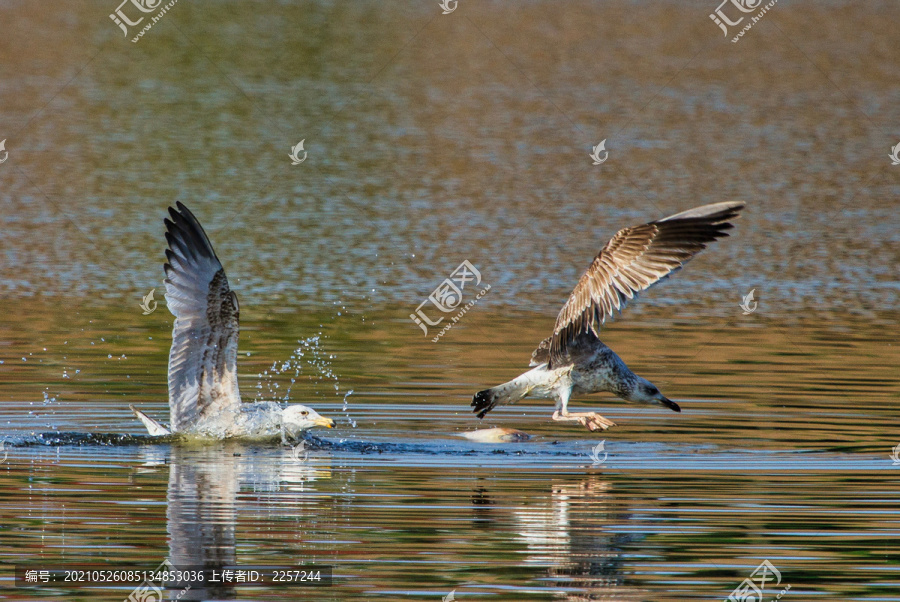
pixel 203 359
pixel 632 261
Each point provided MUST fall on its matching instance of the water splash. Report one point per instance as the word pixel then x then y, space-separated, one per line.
pixel 311 354
pixel 350 420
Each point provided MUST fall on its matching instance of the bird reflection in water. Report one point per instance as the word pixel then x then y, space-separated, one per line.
pixel 204 483
pixel 574 533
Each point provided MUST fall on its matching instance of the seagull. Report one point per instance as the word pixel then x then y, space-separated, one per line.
pixel 204 400
pixel 573 359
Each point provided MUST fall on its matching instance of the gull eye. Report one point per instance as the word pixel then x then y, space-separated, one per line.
pixel 304 413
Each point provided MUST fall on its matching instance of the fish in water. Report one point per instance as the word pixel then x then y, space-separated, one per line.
pixel 496 435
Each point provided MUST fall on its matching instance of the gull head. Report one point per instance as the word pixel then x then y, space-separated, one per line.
pixel 646 392
pixel 298 418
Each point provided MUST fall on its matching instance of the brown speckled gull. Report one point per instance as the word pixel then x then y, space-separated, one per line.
pixel 574 359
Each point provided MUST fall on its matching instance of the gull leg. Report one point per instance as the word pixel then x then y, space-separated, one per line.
pixel 590 420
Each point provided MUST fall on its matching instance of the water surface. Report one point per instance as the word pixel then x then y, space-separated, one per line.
pixel 434 139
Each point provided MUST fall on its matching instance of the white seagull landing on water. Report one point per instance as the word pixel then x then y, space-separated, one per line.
pixel 204 399
pixel 573 359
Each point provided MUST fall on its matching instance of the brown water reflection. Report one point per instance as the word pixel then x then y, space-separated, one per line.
pixel 749 382
pixel 507 534
pixel 782 452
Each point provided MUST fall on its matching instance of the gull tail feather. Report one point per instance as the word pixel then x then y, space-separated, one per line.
pixel 153 427
pixel 511 392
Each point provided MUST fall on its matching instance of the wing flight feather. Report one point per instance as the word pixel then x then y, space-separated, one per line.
pixel 634 259
pixel 203 358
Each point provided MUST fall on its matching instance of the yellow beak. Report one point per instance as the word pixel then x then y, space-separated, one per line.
pixel 326 422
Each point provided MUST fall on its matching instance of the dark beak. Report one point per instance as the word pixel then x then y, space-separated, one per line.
pixel 670 404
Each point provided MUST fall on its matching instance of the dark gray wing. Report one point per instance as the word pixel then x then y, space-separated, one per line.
pixel 632 261
pixel 203 359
